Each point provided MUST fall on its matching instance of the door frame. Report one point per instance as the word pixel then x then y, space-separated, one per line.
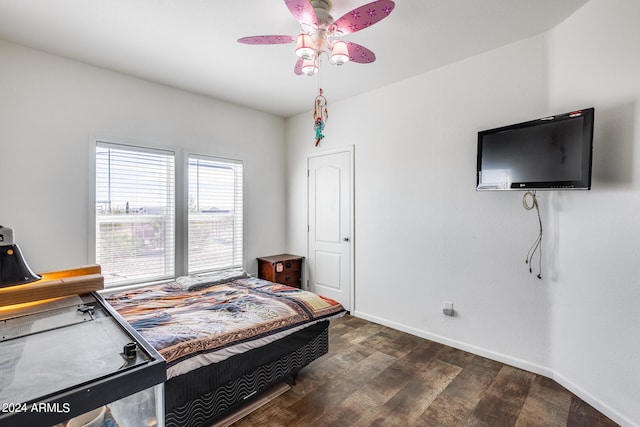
pixel 352 276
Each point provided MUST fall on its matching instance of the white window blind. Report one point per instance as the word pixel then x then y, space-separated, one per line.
pixel 135 214
pixel 215 214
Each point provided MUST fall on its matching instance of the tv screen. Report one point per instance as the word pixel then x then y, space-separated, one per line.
pixel 551 153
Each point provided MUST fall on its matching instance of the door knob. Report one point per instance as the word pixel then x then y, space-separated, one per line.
pixel 345 239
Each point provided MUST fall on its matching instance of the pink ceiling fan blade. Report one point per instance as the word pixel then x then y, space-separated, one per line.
pixel 267 39
pixel 303 11
pixel 298 68
pixel 360 54
pixel 364 16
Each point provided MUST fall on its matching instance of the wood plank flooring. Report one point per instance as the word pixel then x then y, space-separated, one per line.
pixel 377 376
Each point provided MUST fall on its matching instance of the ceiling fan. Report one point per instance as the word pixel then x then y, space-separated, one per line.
pixel 318 30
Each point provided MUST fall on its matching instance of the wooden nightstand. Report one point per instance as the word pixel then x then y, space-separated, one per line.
pixel 285 269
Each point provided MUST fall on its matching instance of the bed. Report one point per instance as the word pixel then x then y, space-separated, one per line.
pixel 226 338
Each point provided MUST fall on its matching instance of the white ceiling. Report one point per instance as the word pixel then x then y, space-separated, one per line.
pixel 192 44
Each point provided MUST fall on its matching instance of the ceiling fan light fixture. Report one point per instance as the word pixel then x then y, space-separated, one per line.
pixel 339 53
pixel 304 47
pixel 309 66
pixel 318 28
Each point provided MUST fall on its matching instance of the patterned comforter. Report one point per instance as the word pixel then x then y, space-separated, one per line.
pixel 193 328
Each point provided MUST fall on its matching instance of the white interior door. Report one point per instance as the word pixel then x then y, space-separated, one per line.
pixel 329 260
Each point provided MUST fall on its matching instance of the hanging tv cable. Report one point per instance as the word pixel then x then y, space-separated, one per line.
pixel 529 201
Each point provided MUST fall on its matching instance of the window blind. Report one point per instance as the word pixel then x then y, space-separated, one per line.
pixel 215 214
pixel 135 214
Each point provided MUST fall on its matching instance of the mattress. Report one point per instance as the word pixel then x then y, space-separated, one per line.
pixel 195 327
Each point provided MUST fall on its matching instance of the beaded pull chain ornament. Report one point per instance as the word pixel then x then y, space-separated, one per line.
pixel 320 116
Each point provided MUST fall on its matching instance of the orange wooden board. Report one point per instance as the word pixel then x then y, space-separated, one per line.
pixel 55 284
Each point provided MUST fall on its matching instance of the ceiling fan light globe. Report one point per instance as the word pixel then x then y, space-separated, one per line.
pixel 304 46
pixel 339 59
pixel 339 53
pixel 310 71
pixel 305 53
pixel 309 67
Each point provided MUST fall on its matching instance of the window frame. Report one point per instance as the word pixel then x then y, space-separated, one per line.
pixel 181 204
pixel 214 159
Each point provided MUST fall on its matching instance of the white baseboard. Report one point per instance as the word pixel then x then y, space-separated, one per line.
pixel 503 358
pixel 508 360
pixel 593 401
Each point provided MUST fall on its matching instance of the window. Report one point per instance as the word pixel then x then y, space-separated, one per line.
pixel 135 214
pixel 215 214
pixel 136 235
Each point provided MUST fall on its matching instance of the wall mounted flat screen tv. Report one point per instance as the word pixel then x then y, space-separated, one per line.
pixel 551 153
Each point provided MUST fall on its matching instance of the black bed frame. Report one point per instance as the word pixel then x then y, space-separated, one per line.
pixel 205 395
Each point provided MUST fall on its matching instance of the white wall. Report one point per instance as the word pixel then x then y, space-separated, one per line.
pixel 49 109
pixel 595 61
pixel 423 235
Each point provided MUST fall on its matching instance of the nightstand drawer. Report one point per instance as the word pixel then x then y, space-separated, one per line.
pixel 290 278
pixel 288 266
pixel 284 269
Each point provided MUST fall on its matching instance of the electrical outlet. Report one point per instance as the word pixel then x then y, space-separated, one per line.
pixel 447 308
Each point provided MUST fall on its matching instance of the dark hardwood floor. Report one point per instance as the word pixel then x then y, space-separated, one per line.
pixel 377 376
